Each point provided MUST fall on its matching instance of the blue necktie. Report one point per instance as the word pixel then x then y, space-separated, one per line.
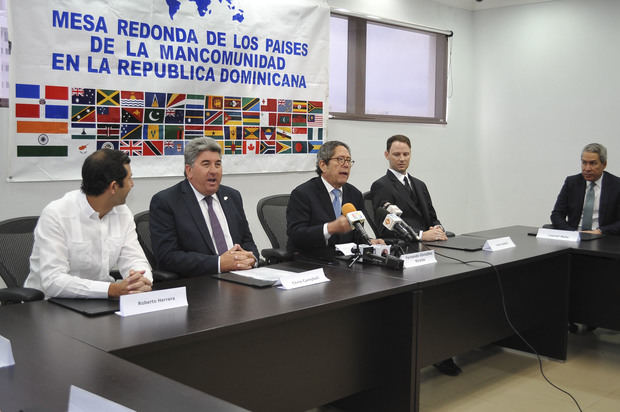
pixel 336 202
pixel 588 208
pixel 216 228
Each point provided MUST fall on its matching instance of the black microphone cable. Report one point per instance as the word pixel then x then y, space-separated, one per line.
pixel 514 329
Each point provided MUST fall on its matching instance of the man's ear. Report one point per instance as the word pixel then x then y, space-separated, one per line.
pixel 112 187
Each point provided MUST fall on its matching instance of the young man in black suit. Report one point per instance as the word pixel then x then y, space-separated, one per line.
pixel 198 227
pixel 314 219
pixel 405 191
pixel 595 210
pixel 412 197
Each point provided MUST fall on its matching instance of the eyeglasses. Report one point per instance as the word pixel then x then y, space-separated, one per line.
pixel 342 160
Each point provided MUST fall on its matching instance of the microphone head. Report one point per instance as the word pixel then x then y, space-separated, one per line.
pixel 348 208
pixel 380 214
pixel 394 210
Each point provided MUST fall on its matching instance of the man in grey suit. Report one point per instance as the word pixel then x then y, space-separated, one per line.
pixel 198 227
pixel 596 210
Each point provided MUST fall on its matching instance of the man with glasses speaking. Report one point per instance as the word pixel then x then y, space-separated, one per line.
pixel 315 222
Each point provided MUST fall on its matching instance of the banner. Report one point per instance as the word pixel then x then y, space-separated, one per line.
pixel 146 76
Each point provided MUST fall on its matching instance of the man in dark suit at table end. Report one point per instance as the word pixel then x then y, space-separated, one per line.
pixel 314 219
pixel 595 208
pixel 198 227
pixel 411 196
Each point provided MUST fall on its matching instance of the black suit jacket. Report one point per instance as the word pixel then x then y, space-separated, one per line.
pixel 309 208
pixel 179 233
pixel 568 207
pixel 389 188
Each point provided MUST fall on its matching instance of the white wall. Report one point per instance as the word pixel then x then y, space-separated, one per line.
pixel 530 86
pixel 547 83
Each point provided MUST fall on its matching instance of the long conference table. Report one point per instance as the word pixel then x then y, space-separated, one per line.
pixel 358 341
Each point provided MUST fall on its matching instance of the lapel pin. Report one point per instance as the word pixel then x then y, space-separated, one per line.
pixel 225 197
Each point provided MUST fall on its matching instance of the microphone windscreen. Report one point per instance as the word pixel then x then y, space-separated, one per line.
pixel 348 208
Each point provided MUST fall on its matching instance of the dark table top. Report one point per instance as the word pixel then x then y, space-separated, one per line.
pixel 215 307
pixel 48 363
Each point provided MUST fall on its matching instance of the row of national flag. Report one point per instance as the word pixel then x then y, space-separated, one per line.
pixel 141 123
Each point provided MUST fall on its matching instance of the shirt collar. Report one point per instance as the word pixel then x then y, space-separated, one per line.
pixel 399 175
pixel 200 196
pixel 328 186
pixel 88 210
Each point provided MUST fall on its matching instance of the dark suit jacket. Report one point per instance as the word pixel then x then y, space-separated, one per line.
pixel 388 188
pixel 568 207
pixel 309 208
pixel 179 233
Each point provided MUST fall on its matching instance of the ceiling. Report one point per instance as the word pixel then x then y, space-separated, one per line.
pixel 486 4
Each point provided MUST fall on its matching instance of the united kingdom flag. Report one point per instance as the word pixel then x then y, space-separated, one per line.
pixel 131 147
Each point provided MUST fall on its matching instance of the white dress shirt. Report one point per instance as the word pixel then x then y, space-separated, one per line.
pixel 597 203
pixel 74 250
pixel 400 176
pixel 219 212
pixel 329 189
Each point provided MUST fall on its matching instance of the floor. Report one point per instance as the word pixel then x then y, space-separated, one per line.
pixel 503 380
pixel 495 379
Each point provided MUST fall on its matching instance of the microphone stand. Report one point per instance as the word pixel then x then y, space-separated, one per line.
pixel 357 255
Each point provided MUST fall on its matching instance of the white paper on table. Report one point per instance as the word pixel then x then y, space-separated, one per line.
pixel 81 400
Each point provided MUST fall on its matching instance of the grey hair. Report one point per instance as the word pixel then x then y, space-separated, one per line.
pixel 327 151
pixel 199 145
pixel 598 149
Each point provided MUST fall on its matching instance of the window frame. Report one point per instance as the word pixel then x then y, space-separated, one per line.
pixel 356 71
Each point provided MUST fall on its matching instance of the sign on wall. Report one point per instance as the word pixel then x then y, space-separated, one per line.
pixel 147 76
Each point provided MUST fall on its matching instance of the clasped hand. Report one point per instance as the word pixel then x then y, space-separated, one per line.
pixel 236 259
pixel 134 283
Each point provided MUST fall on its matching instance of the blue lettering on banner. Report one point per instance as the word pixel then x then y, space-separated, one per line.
pixel 248 59
pixel 78 21
pixel 155 32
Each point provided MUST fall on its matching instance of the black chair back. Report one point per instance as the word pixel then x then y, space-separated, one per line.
pixel 16 240
pixel 143 230
pixel 271 212
pixel 370 212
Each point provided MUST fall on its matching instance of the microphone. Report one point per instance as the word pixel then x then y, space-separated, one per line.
pixel 396 224
pixel 392 208
pixel 385 259
pixel 356 220
pixel 392 221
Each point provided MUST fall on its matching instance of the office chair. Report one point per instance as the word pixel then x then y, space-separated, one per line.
pixel 370 213
pixel 143 230
pixel 271 212
pixel 16 240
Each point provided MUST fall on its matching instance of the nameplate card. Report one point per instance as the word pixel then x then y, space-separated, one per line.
pixel 297 280
pixel 418 259
pixel 146 302
pixel 556 234
pixel 6 353
pixel 501 243
pixel 81 400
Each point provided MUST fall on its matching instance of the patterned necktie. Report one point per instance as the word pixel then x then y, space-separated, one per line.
pixel 588 208
pixel 336 202
pixel 216 228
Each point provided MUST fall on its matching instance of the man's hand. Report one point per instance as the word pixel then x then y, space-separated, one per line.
pixel 134 283
pixel 434 233
pixel 596 232
pixel 340 225
pixel 236 259
pixel 377 242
